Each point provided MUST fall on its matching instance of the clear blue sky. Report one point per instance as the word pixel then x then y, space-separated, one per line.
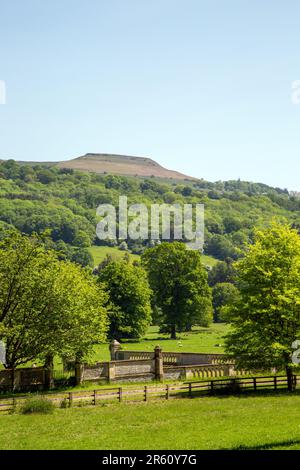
pixel 203 87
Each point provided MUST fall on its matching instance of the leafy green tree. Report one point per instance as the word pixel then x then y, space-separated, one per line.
pixel 221 272
pixel 223 294
pixel 221 247
pixel 82 256
pixel 47 306
pixel 266 316
pixel 130 297
pixel 179 283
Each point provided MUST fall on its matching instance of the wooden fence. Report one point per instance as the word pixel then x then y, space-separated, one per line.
pixel 150 392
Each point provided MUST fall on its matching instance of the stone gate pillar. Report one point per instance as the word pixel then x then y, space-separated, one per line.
pixel 114 347
pixel 159 369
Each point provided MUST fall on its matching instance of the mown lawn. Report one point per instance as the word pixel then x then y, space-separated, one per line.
pixel 254 422
pixel 204 340
pixel 199 340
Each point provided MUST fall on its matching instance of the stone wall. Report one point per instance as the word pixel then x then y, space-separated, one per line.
pixel 23 379
pixel 169 358
pixel 130 370
pixel 198 371
pixel 129 366
pixel 126 366
pixel 96 372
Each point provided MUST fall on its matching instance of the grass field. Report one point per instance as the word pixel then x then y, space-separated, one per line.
pixel 99 253
pixel 206 340
pixel 253 422
pixel 199 340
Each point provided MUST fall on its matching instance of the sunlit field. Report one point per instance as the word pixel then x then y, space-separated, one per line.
pixel 257 422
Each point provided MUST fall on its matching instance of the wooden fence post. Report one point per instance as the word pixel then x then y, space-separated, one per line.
pixel 94 397
pixel 167 392
pixel 70 399
pixel 254 383
pixel 14 404
pixel 145 393
pixel 212 386
pixel 275 382
pixel 120 394
pixel 190 389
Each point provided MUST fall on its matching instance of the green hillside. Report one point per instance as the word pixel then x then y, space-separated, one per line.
pixel 35 198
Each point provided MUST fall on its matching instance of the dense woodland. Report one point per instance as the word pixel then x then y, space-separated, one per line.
pixel 35 198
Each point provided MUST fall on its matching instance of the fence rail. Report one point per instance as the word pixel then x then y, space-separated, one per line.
pixel 151 392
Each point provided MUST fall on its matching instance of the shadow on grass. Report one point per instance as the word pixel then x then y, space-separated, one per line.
pixel 267 446
pixel 259 393
pixel 243 395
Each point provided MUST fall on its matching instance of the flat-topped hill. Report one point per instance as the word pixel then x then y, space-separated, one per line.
pixel 121 165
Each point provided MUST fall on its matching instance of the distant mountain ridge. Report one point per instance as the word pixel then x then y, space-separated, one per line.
pixel 124 165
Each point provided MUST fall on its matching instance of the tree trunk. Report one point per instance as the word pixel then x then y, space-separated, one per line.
pixel 12 379
pixel 173 332
pixel 49 382
pixel 290 381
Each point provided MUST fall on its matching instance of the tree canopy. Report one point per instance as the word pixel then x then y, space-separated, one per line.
pixel 179 283
pixel 47 306
pixel 37 197
pixel 129 298
pixel 266 315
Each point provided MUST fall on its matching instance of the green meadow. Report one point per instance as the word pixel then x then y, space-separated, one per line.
pixel 254 422
pixel 205 340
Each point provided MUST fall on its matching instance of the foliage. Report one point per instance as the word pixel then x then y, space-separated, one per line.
pixel 179 283
pixel 36 197
pixel 37 404
pixel 47 306
pixel 220 273
pixel 266 316
pixel 223 295
pixel 129 294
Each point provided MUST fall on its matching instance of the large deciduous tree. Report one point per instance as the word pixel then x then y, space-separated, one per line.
pixel 47 306
pixel 266 315
pixel 129 297
pixel 179 283
pixel 224 294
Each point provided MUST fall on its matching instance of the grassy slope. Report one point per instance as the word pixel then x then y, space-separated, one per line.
pixel 122 165
pixel 209 260
pixel 262 422
pixel 100 252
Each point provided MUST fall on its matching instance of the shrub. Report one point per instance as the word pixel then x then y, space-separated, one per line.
pixel 37 404
pixel 64 403
pixel 230 388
